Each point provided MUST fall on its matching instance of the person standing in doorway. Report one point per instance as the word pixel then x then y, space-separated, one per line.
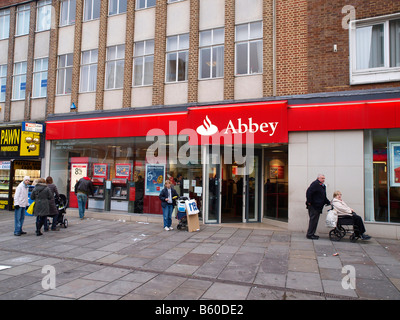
pixel 168 197
pixel 316 199
pixel 83 188
pixel 21 201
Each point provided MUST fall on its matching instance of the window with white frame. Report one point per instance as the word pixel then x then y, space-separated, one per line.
pixel 64 73
pixel 3 82
pixel 91 10
pixel 143 62
pixel 23 17
pixel 177 58
pixel 89 71
pixel 4 24
pixel 115 67
pixel 40 68
pixel 375 50
pixel 171 1
pixel 142 4
pixel 43 21
pixel 248 48
pixel 117 7
pixel 211 55
pixel 67 12
pixel 19 80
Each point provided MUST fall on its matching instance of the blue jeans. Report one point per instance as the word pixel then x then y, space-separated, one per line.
pixel 82 198
pixel 167 214
pixel 19 217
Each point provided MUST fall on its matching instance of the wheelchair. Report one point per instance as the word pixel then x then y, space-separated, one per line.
pixel 345 225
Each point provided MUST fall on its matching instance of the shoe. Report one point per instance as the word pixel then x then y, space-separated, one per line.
pixel 170 228
pixel 313 237
pixel 166 229
pixel 23 232
pixel 365 237
pixel 17 234
pixel 38 233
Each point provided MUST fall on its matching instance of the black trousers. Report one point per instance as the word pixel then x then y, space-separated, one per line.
pixel 313 223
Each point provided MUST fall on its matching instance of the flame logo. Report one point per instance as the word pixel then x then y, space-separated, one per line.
pixel 207 129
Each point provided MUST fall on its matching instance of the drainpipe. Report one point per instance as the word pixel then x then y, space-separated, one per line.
pixel 274 48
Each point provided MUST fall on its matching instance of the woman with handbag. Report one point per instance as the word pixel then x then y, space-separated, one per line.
pixel 53 208
pixel 42 196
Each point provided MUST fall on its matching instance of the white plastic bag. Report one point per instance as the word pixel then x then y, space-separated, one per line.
pixel 331 218
pixel 191 207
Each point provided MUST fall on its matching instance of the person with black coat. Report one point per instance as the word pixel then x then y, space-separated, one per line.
pixel 316 199
pixel 168 197
pixel 42 196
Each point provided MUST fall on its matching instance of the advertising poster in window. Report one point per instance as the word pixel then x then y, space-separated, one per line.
pixel 100 170
pixel 123 170
pixel 394 164
pixel 155 174
pixel 78 170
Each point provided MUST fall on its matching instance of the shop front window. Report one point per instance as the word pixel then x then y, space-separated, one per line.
pixel 132 170
pixel 382 175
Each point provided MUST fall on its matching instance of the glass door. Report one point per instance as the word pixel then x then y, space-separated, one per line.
pixel 212 188
pixel 252 189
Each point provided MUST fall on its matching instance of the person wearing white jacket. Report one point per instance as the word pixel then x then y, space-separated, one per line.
pixel 344 210
pixel 21 201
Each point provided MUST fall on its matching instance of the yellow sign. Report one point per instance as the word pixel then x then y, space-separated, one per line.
pixel 30 144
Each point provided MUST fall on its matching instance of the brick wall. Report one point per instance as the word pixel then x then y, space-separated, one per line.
pixel 329 71
pixel 6 3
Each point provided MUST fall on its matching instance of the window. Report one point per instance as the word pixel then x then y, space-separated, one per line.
pixel 115 67
pixel 117 7
pixel 43 21
pixel 141 4
pixel 177 58
pixel 375 50
pixel 3 82
pixel 23 15
pixel 64 74
pixel 211 56
pixel 4 24
pixel 249 48
pixel 68 12
pixel 91 10
pixel 171 1
pixel 40 78
pixel 89 71
pixel 19 81
pixel 143 63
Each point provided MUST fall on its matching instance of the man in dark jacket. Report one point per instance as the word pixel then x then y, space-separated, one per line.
pixel 316 199
pixel 83 188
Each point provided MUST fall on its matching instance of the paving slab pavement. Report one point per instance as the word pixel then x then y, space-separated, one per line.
pixel 121 259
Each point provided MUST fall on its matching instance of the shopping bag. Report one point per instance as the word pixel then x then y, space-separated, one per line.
pixel 30 209
pixel 191 207
pixel 331 218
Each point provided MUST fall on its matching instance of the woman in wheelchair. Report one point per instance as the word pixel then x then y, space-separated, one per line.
pixel 344 211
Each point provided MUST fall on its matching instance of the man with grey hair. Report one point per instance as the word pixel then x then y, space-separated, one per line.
pixel 316 199
pixel 21 201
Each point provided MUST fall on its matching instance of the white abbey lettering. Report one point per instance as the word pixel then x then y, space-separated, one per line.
pixel 252 127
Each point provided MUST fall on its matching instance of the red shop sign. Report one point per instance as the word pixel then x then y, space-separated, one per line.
pixel 264 122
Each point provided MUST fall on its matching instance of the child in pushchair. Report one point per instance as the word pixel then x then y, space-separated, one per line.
pixel 61 204
pixel 181 213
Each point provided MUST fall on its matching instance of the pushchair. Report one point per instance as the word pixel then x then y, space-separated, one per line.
pixel 61 204
pixel 181 213
pixel 345 225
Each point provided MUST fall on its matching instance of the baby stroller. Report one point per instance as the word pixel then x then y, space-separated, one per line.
pixel 61 204
pixel 344 225
pixel 181 213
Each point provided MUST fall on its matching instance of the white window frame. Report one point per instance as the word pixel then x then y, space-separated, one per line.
pixel 4 24
pixel 179 50
pixel 19 77
pixel 147 54
pixel 89 15
pixel 248 41
pixel 63 72
pixel 89 62
pixel 112 74
pixel 118 9
pixel 40 69
pixel 172 1
pixel 23 18
pixel 3 82
pixel 212 46
pixel 43 21
pixel 70 11
pixel 144 4
pixel 372 75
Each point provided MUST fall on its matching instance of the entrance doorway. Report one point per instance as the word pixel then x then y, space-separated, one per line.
pixel 234 186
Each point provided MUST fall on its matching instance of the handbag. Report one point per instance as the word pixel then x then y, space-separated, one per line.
pixel 331 218
pixel 29 211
